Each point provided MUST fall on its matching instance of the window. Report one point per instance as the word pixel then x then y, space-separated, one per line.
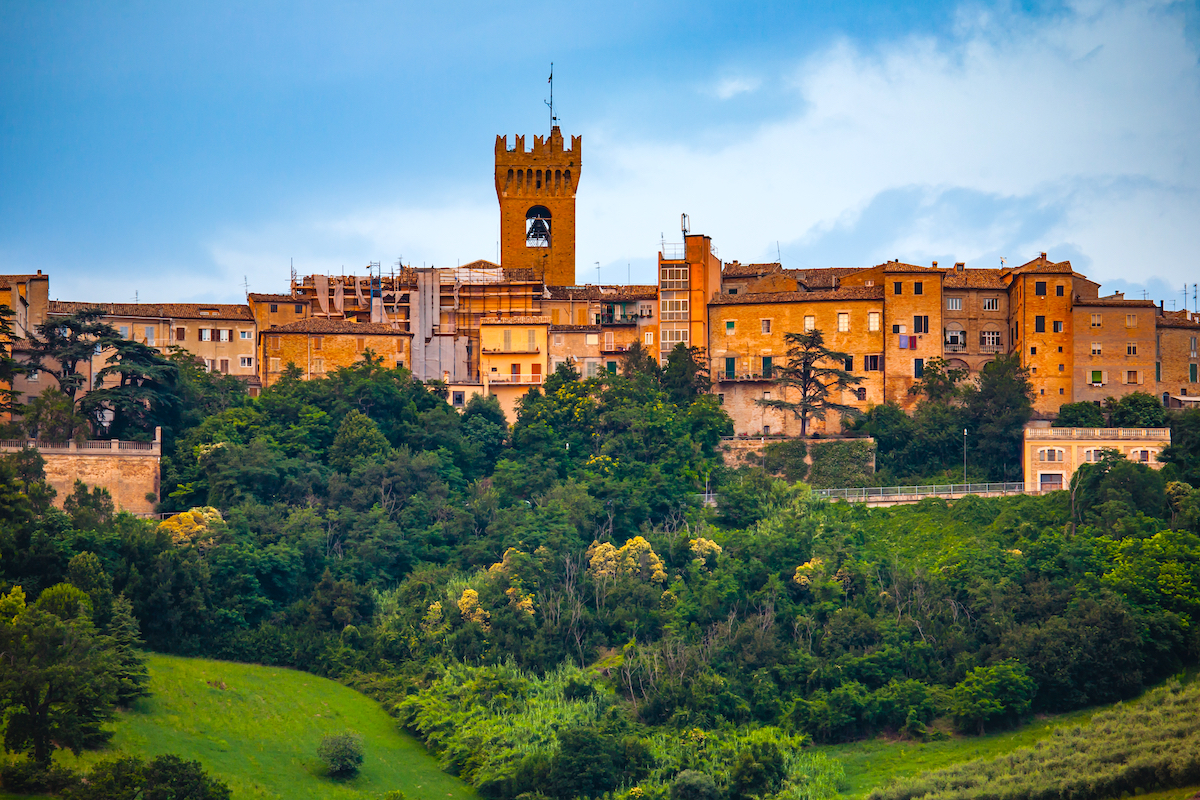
pixel 275 342
pixel 989 338
pixel 149 335
pixel 1062 367
pixel 33 376
pixel 1050 454
pixel 1131 348
pixel 1131 376
pixel 245 361
pixel 1097 320
pixel 843 322
pixel 224 335
pixel 608 340
pixel 1039 324
pixel 318 365
pixel 1193 347
pixel 1096 348
pixel 897 288
pixel 674 277
pixel 1059 290
pixel 954 304
pixel 458 399
pixel 1058 326
pixel 1191 373
pixel 1092 454
pixel 921 324
pixel 670 338
pixel 318 342
pixel 1097 377
pixel 870 363
pixel 768 366
pixel 124 331
pixel 612 367
pixel 1158 371
pixel 1050 483
pixel 206 334
pixel 873 321
pixel 1039 288
pixel 766 325
pixel 731 368
pixel 225 365
pixel 531 339
pixel 810 323
pixel 991 304
pixel 899 329
pixel 299 308
pixel 645 310
pixel 181 334
pixel 918 367
pixel 274 308
pixel 849 366
pixel 730 327
pixel 674 309
pixel 1131 320
pixel 649 337
pixel 766 430
pixel 1033 352
pixel 246 334
pixel 507 335
pixel 918 287
pixel 591 339
pixel 274 365
pixel 720 399
pixel 733 290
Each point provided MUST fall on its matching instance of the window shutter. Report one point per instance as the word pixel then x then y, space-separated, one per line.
pixel 1140 378
pixel 1104 376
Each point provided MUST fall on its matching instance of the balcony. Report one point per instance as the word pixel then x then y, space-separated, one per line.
pixel 614 349
pixel 673 251
pixel 725 377
pixel 513 378
pixel 954 347
pixel 991 349
pixel 514 351
pixel 1095 434
pixel 619 319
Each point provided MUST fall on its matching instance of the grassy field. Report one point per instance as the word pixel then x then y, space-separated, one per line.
pixel 257 728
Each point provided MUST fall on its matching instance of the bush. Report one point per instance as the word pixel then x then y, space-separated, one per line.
pixel 693 785
pixel 841 464
pixel 341 752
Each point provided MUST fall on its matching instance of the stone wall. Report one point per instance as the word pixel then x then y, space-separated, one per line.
pixel 130 471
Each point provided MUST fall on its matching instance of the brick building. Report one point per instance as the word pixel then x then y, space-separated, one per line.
pixel 318 346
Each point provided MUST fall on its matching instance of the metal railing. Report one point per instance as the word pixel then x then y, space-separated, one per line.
pixel 869 493
pixel 673 251
pixel 954 347
pixel 506 377
pixel 1098 433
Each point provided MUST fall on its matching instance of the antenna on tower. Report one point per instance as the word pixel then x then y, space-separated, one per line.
pixel 550 102
pixel 246 284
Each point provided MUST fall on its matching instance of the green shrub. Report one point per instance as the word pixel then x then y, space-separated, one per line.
pixel 341 752
pixel 841 463
pixel 787 458
pixel 693 785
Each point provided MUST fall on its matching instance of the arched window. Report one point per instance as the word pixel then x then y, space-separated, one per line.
pixel 1050 454
pixel 537 227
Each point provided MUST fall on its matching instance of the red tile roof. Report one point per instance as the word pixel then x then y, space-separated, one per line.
pixel 605 293
pixel 845 293
pixel 974 279
pixel 157 310
pixel 323 325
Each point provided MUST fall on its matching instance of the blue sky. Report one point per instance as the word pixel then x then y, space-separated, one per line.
pixel 171 151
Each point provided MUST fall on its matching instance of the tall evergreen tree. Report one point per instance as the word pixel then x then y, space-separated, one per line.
pixel 812 370
pixel 997 412
pixel 685 376
pixel 129 667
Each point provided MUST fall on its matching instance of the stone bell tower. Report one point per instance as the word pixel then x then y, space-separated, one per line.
pixel 536 189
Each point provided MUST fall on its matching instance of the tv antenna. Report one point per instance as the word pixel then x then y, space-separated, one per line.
pixel 246 284
pixel 550 102
pixel 685 223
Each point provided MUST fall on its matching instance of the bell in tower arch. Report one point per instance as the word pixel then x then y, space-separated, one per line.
pixel 537 227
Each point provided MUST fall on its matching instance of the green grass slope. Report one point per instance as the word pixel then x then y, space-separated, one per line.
pixel 257 728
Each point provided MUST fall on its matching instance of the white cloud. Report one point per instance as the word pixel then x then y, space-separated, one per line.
pixel 731 87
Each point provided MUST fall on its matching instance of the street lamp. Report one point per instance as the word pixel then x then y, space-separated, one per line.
pixel 964 455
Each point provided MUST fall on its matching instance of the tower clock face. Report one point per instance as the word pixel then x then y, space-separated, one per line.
pixel 537 227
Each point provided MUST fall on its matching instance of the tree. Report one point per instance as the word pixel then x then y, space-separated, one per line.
pixel 56 682
pixel 1002 691
pixel 341 752
pixel 167 777
pixel 58 346
pixel 129 665
pixel 1079 415
pixel 10 368
pixel 51 416
pixel 358 439
pixel 939 382
pixel 685 377
pixel 144 395
pixel 1136 410
pixel 692 785
pixel 997 412
pixel 637 360
pixel 812 370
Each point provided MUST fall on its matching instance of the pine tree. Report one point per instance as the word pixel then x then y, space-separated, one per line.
pixel 812 370
pixel 129 665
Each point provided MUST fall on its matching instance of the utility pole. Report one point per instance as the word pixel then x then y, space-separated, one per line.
pixel 965 455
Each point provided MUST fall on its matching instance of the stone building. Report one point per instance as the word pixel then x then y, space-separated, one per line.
pixel 1177 365
pixel 1051 455
pixel 318 346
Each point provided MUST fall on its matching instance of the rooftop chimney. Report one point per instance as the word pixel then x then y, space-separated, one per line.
pixel 1043 255
pixel 935 265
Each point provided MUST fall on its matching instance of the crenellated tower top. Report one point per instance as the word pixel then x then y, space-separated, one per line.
pixel 536 190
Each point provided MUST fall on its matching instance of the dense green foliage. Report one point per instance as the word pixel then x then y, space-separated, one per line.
pixel 550 608
pixel 1154 744
pixel 341 752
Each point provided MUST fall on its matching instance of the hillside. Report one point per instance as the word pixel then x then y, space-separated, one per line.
pixel 257 729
